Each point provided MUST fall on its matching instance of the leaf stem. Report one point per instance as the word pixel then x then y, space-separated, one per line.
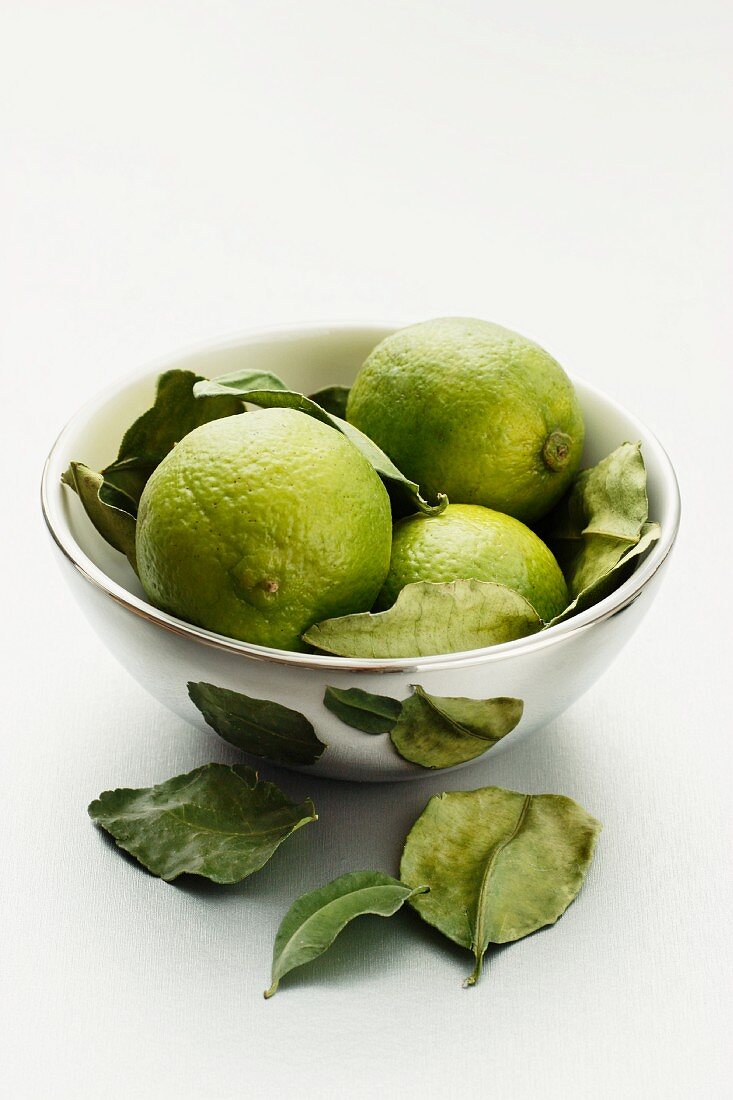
pixel 474 977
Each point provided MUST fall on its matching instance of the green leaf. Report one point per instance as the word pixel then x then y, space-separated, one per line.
pixel 258 726
pixel 106 507
pixel 217 821
pixel 499 864
pixel 601 517
pixel 607 582
pixel 439 732
pixel 248 385
pixel 175 413
pixel 314 921
pixel 429 619
pixel 362 710
pixel 333 399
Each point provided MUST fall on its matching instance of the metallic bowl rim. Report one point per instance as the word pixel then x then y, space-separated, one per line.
pixel 585 621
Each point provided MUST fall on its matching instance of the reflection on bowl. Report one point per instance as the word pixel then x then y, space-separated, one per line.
pixel 547 672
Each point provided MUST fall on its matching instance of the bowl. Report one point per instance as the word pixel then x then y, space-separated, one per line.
pixel 548 671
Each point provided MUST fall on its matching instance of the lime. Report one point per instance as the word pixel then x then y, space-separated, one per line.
pixel 470 409
pixel 259 525
pixel 469 541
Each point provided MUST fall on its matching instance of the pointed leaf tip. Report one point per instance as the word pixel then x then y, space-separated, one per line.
pixel 314 921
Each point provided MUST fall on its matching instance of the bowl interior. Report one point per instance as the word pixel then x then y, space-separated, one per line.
pixel 307 358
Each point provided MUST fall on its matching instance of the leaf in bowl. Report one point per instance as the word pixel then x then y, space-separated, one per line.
pixel 429 619
pixel 257 726
pixel 601 518
pixel 499 864
pixel 108 508
pixel 314 921
pixel 333 399
pixel 248 386
pixel 439 732
pixel 362 710
pixel 217 821
pixel 606 583
pixel 148 440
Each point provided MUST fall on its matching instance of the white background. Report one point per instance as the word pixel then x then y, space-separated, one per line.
pixel 174 171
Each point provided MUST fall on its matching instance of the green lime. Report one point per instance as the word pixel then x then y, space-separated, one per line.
pixel 470 409
pixel 259 525
pixel 468 541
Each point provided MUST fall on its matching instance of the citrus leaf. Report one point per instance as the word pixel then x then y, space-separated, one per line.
pixel 333 399
pixel 248 386
pixel 429 619
pixel 314 921
pixel 106 507
pixel 148 440
pixel 601 517
pixel 257 726
pixel 217 821
pixel 607 582
pixel 362 710
pixel 499 864
pixel 439 732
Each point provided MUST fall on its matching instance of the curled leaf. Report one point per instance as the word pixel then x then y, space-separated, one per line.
pixel 257 726
pixel 429 619
pixel 333 399
pixel 248 386
pixel 148 440
pixel 439 732
pixel 217 821
pixel 107 507
pixel 314 921
pixel 600 518
pixel 499 864
pixel 606 583
pixel 362 710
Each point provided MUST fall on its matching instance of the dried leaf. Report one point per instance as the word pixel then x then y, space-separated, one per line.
pixel 600 518
pixel 362 710
pixel 598 589
pixel 217 821
pixel 175 413
pixel 440 732
pixel 247 385
pixel 429 619
pixel 333 399
pixel 107 507
pixel 258 726
pixel 499 864
pixel 314 921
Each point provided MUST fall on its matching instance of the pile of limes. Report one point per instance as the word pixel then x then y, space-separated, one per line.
pixel 259 526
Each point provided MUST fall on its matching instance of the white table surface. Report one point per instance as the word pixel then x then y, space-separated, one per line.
pixel 174 171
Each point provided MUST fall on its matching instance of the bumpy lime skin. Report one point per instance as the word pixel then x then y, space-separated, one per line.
pixel 258 526
pixel 469 541
pixel 473 410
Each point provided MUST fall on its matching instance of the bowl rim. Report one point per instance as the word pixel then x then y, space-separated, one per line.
pixel 605 609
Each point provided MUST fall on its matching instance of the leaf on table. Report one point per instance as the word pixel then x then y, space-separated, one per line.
pixel 148 440
pixel 257 726
pixel 499 864
pixel 598 589
pixel 248 386
pixel 314 921
pixel 429 619
pixel 217 821
pixel 439 732
pixel 333 399
pixel 363 710
pixel 600 518
pixel 107 508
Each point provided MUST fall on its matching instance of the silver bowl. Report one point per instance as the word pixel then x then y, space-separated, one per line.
pixel 548 671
